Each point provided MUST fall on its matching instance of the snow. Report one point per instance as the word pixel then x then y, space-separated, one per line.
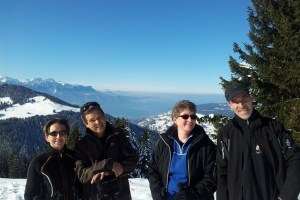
pixel 13 189
pixel 38 105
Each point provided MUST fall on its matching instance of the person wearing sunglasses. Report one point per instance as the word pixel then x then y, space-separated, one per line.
pixel 51 174
pixel 256 156
pixel 183 163
pixel 105 157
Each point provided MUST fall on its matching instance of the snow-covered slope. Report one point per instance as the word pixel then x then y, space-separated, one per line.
pixel 38 105
pixel 13 189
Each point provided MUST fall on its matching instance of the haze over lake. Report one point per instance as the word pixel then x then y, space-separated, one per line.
pixel 147 104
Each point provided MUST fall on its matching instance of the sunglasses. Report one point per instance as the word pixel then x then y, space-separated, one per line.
pixel 89 106
pixel 186 116
pixel 55 133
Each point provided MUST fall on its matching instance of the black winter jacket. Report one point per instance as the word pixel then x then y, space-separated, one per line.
pixel 200 165
pixel 93 156
pixel 51 175
pixel 274 160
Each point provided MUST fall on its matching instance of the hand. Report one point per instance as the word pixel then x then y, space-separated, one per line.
pixel 117 169
pixel 99 175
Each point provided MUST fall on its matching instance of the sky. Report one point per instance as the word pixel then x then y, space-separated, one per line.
pixel 134 45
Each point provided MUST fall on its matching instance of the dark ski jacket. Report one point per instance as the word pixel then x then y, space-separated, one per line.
pixel 200 165
pixel 51 175
pixel 272 164
pixel 94 156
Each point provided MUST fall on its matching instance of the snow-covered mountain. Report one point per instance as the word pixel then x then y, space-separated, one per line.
pixel 130 105
pixel 38 105
pixel 73 93
pixel 22 102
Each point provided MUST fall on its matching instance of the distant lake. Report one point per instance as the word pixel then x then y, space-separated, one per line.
pixel 147 104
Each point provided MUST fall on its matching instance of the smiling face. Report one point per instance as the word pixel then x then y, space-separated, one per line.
pixel 242 106
pixel 95 121
pixel 57 136
pixel 184 126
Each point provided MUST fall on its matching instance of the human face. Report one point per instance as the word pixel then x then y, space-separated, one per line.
pixel 241 104
pixel 96 122
pixel 57 136
pixel 185 126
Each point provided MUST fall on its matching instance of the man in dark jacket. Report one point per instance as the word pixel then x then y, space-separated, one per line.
pixel 256 157
pixel 105 157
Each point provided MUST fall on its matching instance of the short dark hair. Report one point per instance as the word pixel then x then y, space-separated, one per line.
pixel 49 123
pixel 89 106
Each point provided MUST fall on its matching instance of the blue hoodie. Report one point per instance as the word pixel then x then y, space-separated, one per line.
pixel 178 170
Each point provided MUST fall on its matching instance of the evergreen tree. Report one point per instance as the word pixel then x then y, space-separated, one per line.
pixel 4 159
pixel 122 123
pixel 17 166
pixel 273 60
pixel 145 151
pixel 74 136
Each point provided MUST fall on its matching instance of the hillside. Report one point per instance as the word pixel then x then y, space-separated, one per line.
pixel 24 112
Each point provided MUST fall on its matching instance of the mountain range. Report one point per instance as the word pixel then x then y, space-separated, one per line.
pixel 130 105
pixel 78 94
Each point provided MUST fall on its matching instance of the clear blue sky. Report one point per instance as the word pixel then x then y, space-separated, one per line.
pixel 180 46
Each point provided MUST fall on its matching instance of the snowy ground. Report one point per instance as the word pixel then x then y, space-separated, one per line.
pixel 13 189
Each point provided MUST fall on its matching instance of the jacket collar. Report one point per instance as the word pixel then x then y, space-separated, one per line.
pixel 254 120
pixel 54 152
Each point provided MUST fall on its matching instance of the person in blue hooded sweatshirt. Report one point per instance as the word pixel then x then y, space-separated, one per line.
pixel 183 163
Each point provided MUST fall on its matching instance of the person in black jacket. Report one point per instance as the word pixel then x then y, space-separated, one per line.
pixel 51 174
pixel 256 157
pixel 105 157
pixel 183 163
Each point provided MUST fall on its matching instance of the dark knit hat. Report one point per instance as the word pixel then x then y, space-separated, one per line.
pixel 234 89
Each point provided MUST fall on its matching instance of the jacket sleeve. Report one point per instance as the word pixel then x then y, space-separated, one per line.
pixel 221 160
pixel 85 169
pixel 33 182
pixel 130 155
pixel 155 180
pixel 291 153
pixel 207 186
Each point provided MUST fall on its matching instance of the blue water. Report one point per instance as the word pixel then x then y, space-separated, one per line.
pixel 144 106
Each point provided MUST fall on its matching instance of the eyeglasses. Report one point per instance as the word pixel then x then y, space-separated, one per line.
pixel 55 133
pixel 89 106
pixel 186 116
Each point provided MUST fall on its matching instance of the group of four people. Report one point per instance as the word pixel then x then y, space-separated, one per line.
pixel 255 158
